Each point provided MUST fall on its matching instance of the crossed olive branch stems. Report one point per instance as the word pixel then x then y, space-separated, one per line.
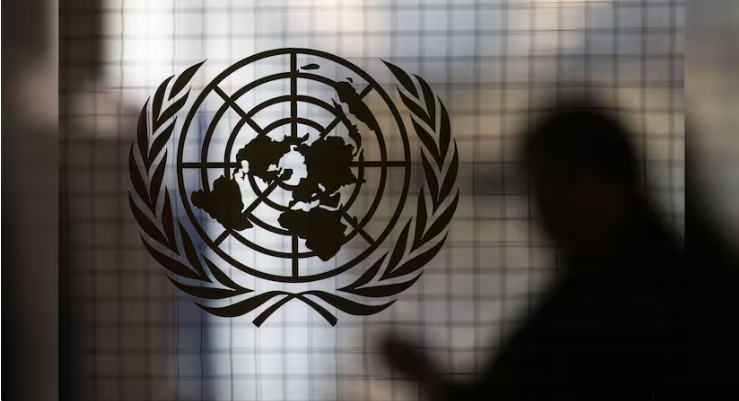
pixel 387 277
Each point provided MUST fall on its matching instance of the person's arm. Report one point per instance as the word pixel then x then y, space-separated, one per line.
pixel 411 361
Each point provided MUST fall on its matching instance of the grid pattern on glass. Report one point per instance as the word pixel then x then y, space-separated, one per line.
pixel 491 62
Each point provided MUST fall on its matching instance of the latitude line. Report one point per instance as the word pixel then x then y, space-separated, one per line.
pixel 295 261
pixel 217 89
pixel 239 237
pixel 354 224
pixel 294 94
pixel 367 89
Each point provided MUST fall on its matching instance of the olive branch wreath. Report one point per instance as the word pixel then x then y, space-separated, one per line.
pixel 147 162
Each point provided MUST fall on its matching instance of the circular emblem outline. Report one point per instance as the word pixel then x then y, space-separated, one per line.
pixel 294 74
pixel 391 273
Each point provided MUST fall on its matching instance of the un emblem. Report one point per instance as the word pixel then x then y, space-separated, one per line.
pixel 289 181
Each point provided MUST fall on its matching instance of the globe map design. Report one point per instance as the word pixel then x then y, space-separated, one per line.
pixel 316 212
pixel 328 167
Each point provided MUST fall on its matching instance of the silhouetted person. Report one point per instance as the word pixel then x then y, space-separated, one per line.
pixel 713 335
pixel 611 327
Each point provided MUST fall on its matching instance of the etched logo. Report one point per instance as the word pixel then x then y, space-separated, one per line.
pixel 295 167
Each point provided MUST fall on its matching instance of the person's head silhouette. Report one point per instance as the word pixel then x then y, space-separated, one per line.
pixel 582 175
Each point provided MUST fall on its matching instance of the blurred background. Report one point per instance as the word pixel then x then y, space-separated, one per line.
pixel 128 334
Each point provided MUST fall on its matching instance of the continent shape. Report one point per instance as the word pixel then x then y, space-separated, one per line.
pixel 327 163
pixel 321 229
pixel 224 204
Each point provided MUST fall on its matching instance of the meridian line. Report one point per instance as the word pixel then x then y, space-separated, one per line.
pixel 262 196
pixel 222 237
pixel 238 109
pixel 330 127
pixel 294 94
pixel 367 89
pixel 351 220
pixel 296 263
